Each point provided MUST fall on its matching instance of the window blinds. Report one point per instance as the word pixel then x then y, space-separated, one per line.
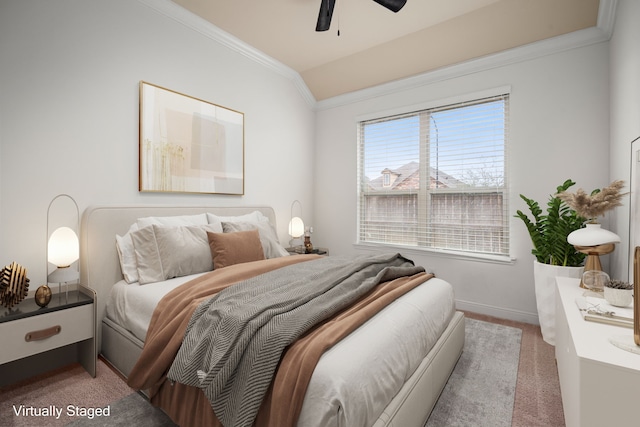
pixel 436 178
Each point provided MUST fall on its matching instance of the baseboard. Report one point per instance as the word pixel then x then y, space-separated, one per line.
pixel 499 312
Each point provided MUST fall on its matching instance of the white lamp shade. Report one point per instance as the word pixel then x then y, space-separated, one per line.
pixel 296 227
pixel 63 247
pixel 592 235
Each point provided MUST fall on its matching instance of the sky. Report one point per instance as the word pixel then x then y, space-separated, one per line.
pixel 467 142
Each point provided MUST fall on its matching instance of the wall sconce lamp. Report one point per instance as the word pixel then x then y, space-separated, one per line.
pixel 63 249
pixel 296 227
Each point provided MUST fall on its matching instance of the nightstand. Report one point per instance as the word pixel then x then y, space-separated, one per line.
pixel 299 250
pixel 32 335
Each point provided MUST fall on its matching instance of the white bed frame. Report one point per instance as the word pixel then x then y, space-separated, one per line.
pixel 100 270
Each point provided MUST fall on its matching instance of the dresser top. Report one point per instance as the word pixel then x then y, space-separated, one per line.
pixel 591 339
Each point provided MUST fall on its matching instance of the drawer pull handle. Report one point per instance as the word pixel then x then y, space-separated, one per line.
pixel 42 334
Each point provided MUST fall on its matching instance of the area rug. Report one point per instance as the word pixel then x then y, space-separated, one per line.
pixel 481 389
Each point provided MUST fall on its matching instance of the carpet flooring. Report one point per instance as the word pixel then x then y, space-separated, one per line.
pixel 536 401
pixel 70 385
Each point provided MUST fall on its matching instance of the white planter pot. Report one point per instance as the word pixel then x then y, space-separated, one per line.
pixel 544 276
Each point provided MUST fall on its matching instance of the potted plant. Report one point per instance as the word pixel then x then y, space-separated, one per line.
pixel 618 293
pixel 549 231
pixel 554 256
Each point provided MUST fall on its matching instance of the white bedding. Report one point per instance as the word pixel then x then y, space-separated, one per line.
pixel 391 345
pixel 131 305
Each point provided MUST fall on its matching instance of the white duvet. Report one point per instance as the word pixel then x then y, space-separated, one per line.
pixel 356 379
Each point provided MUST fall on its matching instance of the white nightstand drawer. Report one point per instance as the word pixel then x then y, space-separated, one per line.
pixel 24 337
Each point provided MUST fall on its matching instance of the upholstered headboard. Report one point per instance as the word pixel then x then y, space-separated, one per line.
pixel 99 263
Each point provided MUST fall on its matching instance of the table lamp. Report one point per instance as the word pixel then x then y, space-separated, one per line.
pixel 296 227
pixel 63 249
pixel 593 241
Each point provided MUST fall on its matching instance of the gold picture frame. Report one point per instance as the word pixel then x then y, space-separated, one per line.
pixel 188 145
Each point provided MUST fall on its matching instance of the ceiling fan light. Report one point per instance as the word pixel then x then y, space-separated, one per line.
pixel 324 17
pixel 392 5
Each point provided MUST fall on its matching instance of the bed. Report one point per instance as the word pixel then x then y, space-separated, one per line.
pixel 357 381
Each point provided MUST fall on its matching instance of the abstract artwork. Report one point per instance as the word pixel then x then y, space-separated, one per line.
pixel 188 145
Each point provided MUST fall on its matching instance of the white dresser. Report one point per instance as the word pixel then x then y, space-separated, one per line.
pixel 600 383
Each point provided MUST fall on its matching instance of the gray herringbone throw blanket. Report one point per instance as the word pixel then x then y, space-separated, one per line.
pixel 234 341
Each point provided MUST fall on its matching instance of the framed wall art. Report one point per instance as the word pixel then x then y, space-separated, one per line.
pixel 188 145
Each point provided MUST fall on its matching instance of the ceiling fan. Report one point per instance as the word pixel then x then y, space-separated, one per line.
pixel 326 11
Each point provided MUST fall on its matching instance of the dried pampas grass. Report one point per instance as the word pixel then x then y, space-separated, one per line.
pixel 593 205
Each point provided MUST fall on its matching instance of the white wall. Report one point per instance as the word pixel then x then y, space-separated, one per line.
pixel 559 129
pixel 625 116
pixel 69 114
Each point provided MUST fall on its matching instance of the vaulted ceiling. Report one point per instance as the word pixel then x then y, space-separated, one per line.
pixel 375 45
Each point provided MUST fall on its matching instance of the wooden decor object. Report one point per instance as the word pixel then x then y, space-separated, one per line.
pixel 14 284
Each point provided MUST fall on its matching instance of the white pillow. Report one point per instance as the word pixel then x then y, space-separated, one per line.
pixel 174 221
pixel 124 246
pixel 255 216
pixel 163 252
pixel 268 238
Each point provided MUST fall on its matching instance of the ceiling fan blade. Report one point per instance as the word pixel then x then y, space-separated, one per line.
pixel 324 17
pixel 392 5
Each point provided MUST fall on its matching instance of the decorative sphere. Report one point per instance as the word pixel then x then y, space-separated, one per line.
pixel 594 280
pixel 43 295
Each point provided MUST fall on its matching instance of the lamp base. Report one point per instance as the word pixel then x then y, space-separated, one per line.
pixel 593 256
pixel 625 342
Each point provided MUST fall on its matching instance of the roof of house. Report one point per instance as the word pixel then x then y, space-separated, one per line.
pixel 407 177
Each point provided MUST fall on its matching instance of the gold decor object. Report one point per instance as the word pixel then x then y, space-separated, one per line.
pixel 636 296
pixel 43 295
pixel 308 246
pixel 14 284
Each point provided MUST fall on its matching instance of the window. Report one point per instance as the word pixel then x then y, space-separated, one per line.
pixel 436 178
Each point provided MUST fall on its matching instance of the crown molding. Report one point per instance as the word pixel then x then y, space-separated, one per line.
pixel 586 37
pixel 607 16
pixel 207 29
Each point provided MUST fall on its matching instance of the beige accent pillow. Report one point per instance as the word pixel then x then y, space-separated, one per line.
pixel 235 248
pixel 163 252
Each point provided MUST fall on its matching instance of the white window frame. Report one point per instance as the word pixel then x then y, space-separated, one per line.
pixel 472 97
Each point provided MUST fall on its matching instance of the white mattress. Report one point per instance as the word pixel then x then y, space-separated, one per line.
pixel 354 380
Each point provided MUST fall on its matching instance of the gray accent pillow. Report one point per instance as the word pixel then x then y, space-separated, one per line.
pixel 163 252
